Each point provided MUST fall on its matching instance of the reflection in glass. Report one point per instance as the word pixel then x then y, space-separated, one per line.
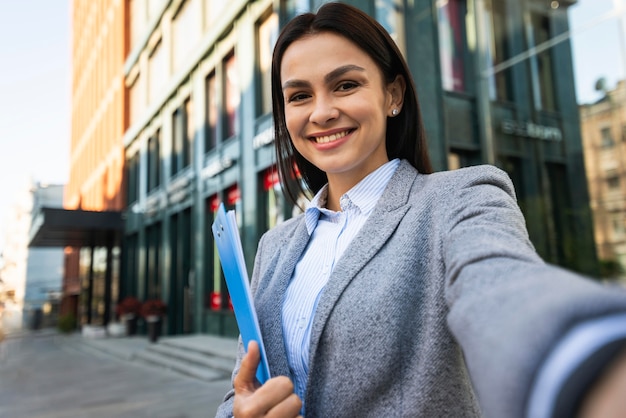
pixel 451 43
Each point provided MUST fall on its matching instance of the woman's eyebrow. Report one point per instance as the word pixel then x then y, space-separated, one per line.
pixel 295 84
pixel 338 72
pixel 328 78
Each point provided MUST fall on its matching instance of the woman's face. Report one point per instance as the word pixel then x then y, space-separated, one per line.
pixel 336 105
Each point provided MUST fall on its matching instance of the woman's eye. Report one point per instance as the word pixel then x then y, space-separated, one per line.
pixel 298 97
pixel 347 85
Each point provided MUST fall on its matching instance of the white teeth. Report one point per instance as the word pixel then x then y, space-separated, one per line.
pixel 330 138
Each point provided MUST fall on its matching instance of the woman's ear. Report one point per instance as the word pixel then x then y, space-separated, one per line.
pixel 396 91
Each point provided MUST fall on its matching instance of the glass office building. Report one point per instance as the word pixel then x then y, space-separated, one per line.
pixel 496 85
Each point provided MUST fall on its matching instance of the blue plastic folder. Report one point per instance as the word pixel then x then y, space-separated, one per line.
pixel 226 234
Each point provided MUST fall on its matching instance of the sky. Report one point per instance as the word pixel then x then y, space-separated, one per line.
pixel 34 97
pixel 35 62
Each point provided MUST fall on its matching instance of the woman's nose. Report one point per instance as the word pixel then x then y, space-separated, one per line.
pixel 324 110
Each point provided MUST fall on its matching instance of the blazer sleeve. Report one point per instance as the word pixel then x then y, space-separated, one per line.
pixel 507 308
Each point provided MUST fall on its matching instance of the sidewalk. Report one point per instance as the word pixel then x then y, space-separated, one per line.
pixel 46 374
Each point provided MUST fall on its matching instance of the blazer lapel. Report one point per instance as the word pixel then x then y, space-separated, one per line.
pixel 380 225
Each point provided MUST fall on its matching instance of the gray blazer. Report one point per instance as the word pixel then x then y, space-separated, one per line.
pixel 440 307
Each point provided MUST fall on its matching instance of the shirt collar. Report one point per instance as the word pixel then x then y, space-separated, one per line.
pixel 364 195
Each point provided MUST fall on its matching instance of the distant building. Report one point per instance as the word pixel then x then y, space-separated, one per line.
pixel 603 126
pixel 32 275
pixel 44 266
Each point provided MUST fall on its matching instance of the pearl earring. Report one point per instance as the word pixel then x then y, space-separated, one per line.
pixel 395 112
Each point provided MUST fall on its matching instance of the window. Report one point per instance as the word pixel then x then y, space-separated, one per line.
pixel 185 32
pixel 390 14
pixel 267 34
pixel 212 112
pixel 153 253
pixel 182 137
pixel 618 224
pixel 542 63
pixel 154 161
pixel 462 158
pixel 452 44
pixel 223 96
pixel 217 297
pixel 274 204
pixel 133 179
pixel 499 49
pixel 296 7
pixel 135 106
pixel 612 182
pixel 232 95
pixel 157 71
pixel 189 133
pixel 213 270
pixel 606 138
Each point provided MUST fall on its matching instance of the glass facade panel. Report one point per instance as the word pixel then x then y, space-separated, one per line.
pixel 452 41
pixel 606 138
pixel 390 14
pixel 181 259
pixel 232 96
pixel 153 261
pixel 212 268
pixel 188 131
pixel 154 161
pixel 296 7
pixel 462 158
pixel 212 113
pixel 543 61
pixel 276 208
pixel 498 34
pixel 182 137
pixel 132 175
pixel 267 34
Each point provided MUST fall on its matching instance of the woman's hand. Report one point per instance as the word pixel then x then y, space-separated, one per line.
pixel 273 399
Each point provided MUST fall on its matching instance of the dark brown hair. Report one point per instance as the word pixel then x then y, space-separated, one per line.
pixel 405 137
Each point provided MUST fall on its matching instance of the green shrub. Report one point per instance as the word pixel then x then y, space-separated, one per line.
pixel 66 323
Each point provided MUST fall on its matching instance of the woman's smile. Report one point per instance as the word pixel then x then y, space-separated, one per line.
pixel 326 138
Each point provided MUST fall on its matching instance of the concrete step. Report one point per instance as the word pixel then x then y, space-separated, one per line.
pixel 180 366
pixel 193 357
pixel 202 356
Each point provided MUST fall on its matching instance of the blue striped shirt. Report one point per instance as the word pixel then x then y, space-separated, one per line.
pixel 331 233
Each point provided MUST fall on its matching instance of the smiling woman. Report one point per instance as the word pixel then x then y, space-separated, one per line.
pixel 337 113
pixel 401 292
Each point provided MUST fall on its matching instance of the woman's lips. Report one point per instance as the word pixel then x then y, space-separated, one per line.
pixel 324 139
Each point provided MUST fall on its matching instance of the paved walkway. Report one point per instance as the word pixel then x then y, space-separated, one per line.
pixel 47 375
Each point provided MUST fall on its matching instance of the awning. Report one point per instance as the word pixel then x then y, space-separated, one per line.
pixel 56 227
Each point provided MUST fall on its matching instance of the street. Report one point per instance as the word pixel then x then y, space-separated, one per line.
pixel 47 375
